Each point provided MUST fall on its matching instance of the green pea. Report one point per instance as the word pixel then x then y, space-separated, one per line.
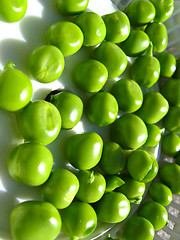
pixel 113 158
pixel 142 165
pixel 15 88
pixel 71 7
pixel 170 90
pixel 30 164
pixel 61 188
pixel 138 228
pixel 177 72
pixel 46 64
pixel 84 150
pixel 93 28
pixel 113 207
pixel 102 109
pixel 170 144
pixel 90 75
pixel 154 135
pixel 35 220
pixel 129 131
pixel 170 176
pixel 172 120
pixel 117 26
pixel 112 57
pixel 70 107
pixel 136 44
pixel 155 213
pixel 164 9
pixel 140 12
pixel 145 71
pixel 39 121
pixel 154 107
pixel 160 193
pixel 167 63
pixel 159 40
pixel 66 36
pixel 128 95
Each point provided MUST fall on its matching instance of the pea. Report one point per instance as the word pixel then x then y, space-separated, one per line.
pixel 30 163
pixel 35 220
pixel 172 120
pixel 146 12
pixel 155 213
pixel 78 220
pixel 66 36
pixel 164 9
pixel 160 193
pixel 93 28
pixel 117 26
pixel 15 88
pixel 92 186
pixel 129 131
pixel 102 109
pixel 71 7
pixel 142 165
pixel 171 144
pixel 70 108
pixel 154 135
pixel 136 44
pixel 113 158
pixel 138 228
pixel 90 75
pixel 84 150
pixel 112 57
pixel 113 182
pixel 46 64
pixel 154 107
pixel 113 207
pixel 128 95
pixel 61 188
pixel 177 72
pixel 170 176
pixel 39 121
pixel 167 63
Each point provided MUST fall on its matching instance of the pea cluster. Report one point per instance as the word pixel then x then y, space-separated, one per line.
pixel 108 177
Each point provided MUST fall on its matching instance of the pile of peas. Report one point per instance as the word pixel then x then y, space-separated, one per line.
pixel 109 176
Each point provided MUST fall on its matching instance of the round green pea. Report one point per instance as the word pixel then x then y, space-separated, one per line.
pixel 112 57
pixel 93 28
pixel 102 109
pixel 154 107
pixel 113 158
pixel 70 108
pixel 159 40
pixel 117 26
pixel 136 44
pixel 129 131
pixel 15 89
pixel 90 75
pixel 160 193
pixel 71 7
pixel 164 9
pixel 46 64
pixel 35 220
pixel 84 150
pixel 155 213
pixel 172 120
pixel 140 12
pixel 66 36
pixel 30 164
pixel 167 63
pixel 170 144
pixel 61 188
pixel 142 165
pixel 138 228
pixel 128 95
pixel 154 135
pixel 39 121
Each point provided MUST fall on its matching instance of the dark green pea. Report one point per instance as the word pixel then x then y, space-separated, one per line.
pixel 177 72
pixel 168 64
pixel 136 44
pixel 157 33
pixel 172 120
pixel 164 9
pixel 154 135
pixel 71 7
pixel 177 159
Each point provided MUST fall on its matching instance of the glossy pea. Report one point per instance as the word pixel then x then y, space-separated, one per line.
pixel 171 144
pixel 164 9
pixel 112 57
pixel 66 36
pixel 154 135
pixel 93 28
pixel 117 26
pixel 128 95
pixel 71 7
pixel 167 63
pixel 172 120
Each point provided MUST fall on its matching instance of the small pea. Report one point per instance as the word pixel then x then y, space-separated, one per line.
pixel 172 120
pixel 171 144
pixel 154 135
pixel 167 63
